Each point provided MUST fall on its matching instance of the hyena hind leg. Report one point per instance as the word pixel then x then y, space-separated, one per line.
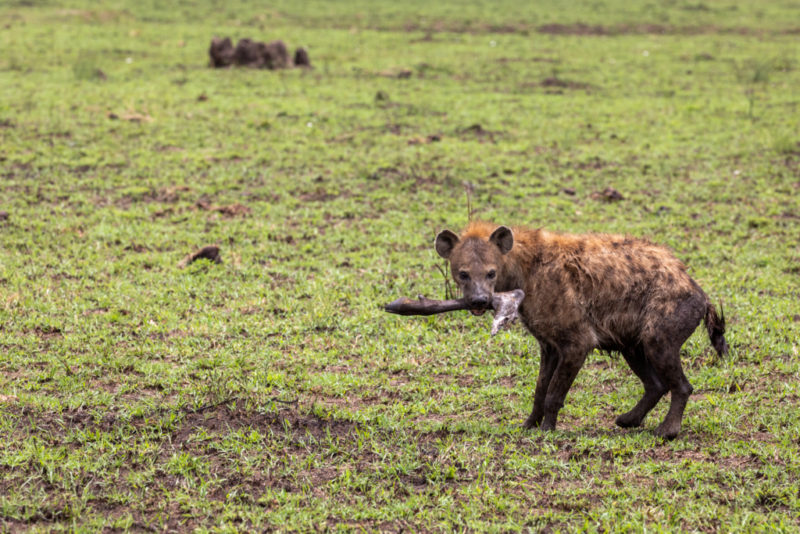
pixel 667 364
pixel 663 351
pixel 654 389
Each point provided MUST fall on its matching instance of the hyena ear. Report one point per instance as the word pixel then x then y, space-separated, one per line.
pixel 503 238
pixel 446 241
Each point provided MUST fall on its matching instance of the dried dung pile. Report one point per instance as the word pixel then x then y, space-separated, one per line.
pixel 255 54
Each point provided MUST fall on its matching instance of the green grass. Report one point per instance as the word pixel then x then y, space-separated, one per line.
pixel 135 395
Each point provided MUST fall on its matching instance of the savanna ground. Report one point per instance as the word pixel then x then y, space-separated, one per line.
pixel 270 391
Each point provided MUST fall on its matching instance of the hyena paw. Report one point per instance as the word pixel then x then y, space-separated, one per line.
pixel 532 422
pixel 667 430
pixel 629 420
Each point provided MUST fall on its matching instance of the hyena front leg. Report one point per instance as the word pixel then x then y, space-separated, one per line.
pixel 570 362
pixel 547 365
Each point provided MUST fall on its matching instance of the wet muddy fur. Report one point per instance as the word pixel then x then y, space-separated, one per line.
pixel 586 292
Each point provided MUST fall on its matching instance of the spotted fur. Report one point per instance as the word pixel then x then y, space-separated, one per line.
pixel 590 291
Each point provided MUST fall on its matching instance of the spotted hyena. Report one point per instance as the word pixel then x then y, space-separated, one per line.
pixel 585 292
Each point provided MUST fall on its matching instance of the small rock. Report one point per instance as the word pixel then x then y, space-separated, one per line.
pixel 419 140
pixel 609 194
pixel 209 252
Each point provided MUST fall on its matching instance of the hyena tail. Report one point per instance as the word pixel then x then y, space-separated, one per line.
pixel 715 324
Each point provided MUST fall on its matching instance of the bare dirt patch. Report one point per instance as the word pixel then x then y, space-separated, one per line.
pixel 223 419
pixel 227 211
pixel 166 195
pixel 609 194
pixel 47 331
pixel 555 82
pixel 303 437
pixel 318 195
pixel 477 131
pixel 582 29
pixel 388 173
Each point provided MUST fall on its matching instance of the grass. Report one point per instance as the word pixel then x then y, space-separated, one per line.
pixel 270 391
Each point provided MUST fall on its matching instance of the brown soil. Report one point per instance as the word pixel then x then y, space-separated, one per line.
pixel 302 435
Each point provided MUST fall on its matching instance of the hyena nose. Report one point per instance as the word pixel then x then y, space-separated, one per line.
pixel 480 301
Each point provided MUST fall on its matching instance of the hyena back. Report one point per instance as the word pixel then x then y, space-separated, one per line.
pixel 584 292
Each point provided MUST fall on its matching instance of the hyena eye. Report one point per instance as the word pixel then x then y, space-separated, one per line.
pixel 491 274
pixel 463 275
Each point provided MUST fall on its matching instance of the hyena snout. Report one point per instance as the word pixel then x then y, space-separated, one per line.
pixel 480 301
pixel 479 297
pixel 479 304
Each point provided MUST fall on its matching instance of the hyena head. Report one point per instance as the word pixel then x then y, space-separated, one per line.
pixel 476 263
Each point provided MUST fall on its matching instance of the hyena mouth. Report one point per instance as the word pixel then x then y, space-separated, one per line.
pixel 477 312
